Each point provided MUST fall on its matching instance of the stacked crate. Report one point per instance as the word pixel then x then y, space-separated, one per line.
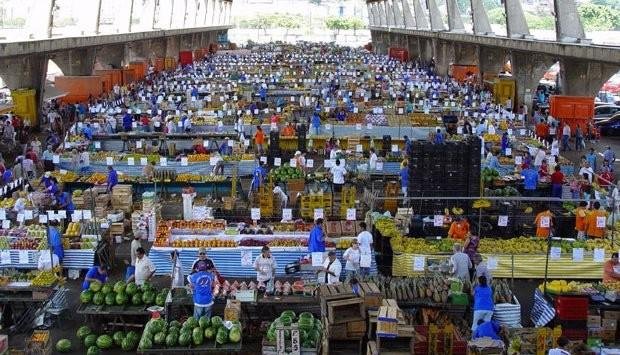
pixel 571 313
pixel 315 201
pixel 344 312
pixel 265 200
pixel 122 198
pixel 347 200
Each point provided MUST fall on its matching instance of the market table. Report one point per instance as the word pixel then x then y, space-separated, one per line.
pixel 228 260
pixel 127 315
pixel 520 266
pixel 74 259
pixel 26 300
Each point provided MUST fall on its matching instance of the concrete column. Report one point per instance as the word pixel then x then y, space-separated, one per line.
pixel 527 69
pixel 420 16
pixel 568 25
pixel 584 78
pixel 371 19
pixel 399 19
pixel 173 46
pixel 435 15
pixel 516 26
pixel 205 12
pixel 389 12
pixel 444 56
pixel 492 60
pixel 221 15
pixel 77 61
pixel 466 54
pixel 37 21
pixel 213 16
pixel 455 22
pixel 109 56
pixel 409 20
pixel 148 14
pixel 382 14
pixel 480 19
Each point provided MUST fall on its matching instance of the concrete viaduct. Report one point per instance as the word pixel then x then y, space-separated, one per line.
pixel 407 23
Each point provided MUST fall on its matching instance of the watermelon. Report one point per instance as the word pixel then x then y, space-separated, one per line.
pixel 286 320
pixel 197 336
pixel 160 300
pixel 98 298
pixel 107 288
pixel 136 299
pixel 159 338
pixel 119 287
pixel 128 344
pixel 216 321
pixel 63 346
pixel 234 335
pixel 171 340
pixel 104 342
pixel 306 324
pixel 289 314
pixel 110 298
pixel 155 325
pixel 145 344
pixel 209 333
pixel 86 296
pixel 93 350
pixel 308 315
pixel 148 297
pixel 222 336
pixel 175 323
pixel 172 329
pixel 203 322
pixel 271 334
pixel 121 298
pixel 82 332
pixel 191 322
pixel 133 336
pixel 118 337
pixel 146 286
pixel 131 289
pixel 185 338
pixel 95 286
pixel 90 340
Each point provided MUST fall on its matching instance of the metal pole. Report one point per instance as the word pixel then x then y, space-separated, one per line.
pixel 546 265
pixel 613 219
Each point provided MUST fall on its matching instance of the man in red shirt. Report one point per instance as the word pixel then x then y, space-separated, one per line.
pixel 610 271
pixel 606 177
pixel 557 179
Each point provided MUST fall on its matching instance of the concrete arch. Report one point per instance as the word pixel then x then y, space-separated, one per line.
pixel 584 78
pixel 53 70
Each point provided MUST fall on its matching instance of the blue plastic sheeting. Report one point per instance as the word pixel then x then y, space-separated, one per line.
pixel 244 167
pixel 228 260
pixel 74 259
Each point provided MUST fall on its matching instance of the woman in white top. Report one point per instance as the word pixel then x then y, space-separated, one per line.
pixel 352 256
pixel 372 162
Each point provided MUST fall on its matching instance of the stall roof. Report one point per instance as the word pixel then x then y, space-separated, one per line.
pixel 51 93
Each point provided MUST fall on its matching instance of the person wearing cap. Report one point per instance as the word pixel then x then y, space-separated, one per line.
pixel 265 265
pixel 95 274
pixel 46 179
pixel 202 256
pixel 329 273
pixel 300 160
pixel 145 269
pixel 316 240
pixel 201 283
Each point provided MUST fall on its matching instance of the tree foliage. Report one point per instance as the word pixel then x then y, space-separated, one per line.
pixel 276 20
pixel 336 23
pixel 599 17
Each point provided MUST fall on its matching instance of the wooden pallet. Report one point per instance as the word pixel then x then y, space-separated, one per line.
pixel 336 292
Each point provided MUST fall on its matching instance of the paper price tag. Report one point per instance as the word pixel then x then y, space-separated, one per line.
pixel 205 143
pixel 28 215
pixel 184 161
pixel 163 161
pixel 545 222
pixel 2 214
pixel 56 159
pixel 600 221
pixel 264 160
pixel 358 126
pixel 277 161
pixel 394 148
pixel 287 214
pixel 502 221
pixel 143 161
pixel 20 217
pixel 109 161
pixel 77 215
pixel 328 127
pixel 508 151
pixel 522 131
pixel 438 220
pixel 139 144
pixel 43 218
pixel 401 111
pixel 5 257
pixel 318 213
pixel 246 258
pixel 292 163
pixel 6 224
pixel 23 257
pixel 577 254
pixel 97 145
pixel 492 263
pixel 351 214
pixel 317 259
pixel 518 160
pixel 255 214
pixel 379 166
pixel 88 215
pixel 419 263
pixel 459 130
pixel 510 131
pixel 599 255
pixel 131 161
pixel 310 163
pixel 555 253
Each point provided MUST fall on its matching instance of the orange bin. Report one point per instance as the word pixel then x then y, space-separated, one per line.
pixel 139 69
pixel 460 72
pixel 160 64
pixel 79 88
pixel 129 76
pixel 399 53
pixel 572 110
pixel 199 54
pixel 115 74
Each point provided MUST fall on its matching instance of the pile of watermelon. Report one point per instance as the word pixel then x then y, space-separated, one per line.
pixel 158 334
pixel 123 294
pixel 94 343
pixel 310 328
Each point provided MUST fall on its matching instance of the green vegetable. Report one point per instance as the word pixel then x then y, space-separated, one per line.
pixel 197 336
pixel 222 336
pixel 216 321
pixel 159 338
pixel 171 340
pixel 160 300
pixel 136 299
pixel 121 298
pixel 90 340
pixel 82 332
pixel 98 298
pixel 191 323
pixel 234 335
pixel 118 337
pixel 119 287
pixel 86 296
pixel 93 350
pixel 110 298
pixel 203 322
pixel 131 289
pixel 104 342
pixel 95 286
pixel 128 344
pixel 185 339
pixel 148 297
pixel 145 344
pixel 288 313
pixel 106 289
pixel 175 323
pixel 133 336
pixel 63 346
pixel 209 333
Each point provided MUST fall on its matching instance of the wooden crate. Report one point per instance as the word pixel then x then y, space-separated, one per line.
pixel 336 292
pixel 356 329
pixel 117 229
pixel 232 311
pixel 344 311
pixel 371 294
pixel 371 348
pixel 387 322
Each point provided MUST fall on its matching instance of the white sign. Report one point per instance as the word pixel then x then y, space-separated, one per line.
pixel 599 255
pixel 87 214
pixel 255 214
pixel 131 161
pixel 43 218
pixel 184 161
pixel 379 166
pixel 246 258
pixel 287 214
pixel 317 259
pixel 77 215
pixel 545 222
pixel 109 160
pixel 310 163
pixel 438 220
pixel 394 148
pixel 143 161
pixel 56 159
pixel 518 160
pixel 502 221
pixel 23 257
pixel 577 254
pixel 163 161
pixel 277 161
pixel 459 130
pixel 6 224
pixel 97 145
pixel 351 214
pixel 522 131
pixel 508 151
pixel 419 263
pixel 264 160
pixel 28 215
pixel 555 253
pixel 5 257
pixel 318 213
pixel 600 221
pixel 492 263
pixel 139 144
pixel 292 163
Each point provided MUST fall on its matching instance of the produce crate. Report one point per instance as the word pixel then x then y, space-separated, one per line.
pixel 371 294
pixel 232 311
pixel 39 343
pixel 344 311
pixel 335 292
pixel 572 307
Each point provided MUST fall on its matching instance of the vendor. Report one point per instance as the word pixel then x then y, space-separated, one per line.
pixel 557 180
pixel 530 181
pixel 316 240
pixel 149 171
pixel 259 140
pixel 95 274
pixel 300 160
pixel 580 219
pixel 544 223
pixel 145 269
pixel 460 263
pixel 65 202
pixel 372 160
pixel 490 329
pixel 611 270
pixel 112 179
pixel 596 222
pixel 561 348
pixel 201 284
pixel 188 196
pixel 265 265
pixel 483 302
pixel 288 130
pixel 202 256
pixel 55 240
pixel 258 177
pixel 338 173
pixel 352 256
pixel 329 274
pixel 459 229
pixel 277 191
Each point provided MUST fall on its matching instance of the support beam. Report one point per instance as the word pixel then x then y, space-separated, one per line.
pixel 131 7
pixel 409 20
pixel 420 16
pixel 480 19
pixel 98 17
pixel 382 14
pixel 389 12
pixel 399 20
pixel 206 5
pixel 584 78
pixel 455 22
pixel 50 20
pixel 371 20
pixel 435 15
pixel 568 25
pixel 516 25
pixel 527 69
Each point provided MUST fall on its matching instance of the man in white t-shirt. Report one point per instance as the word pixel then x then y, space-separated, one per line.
pixel 145 269
pixel 561 349
pixel 365 241
pixel 338 172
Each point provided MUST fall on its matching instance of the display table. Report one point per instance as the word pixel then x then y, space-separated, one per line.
pixel 21 302
pixel 228 260
pixel 74 259
pixel 125 316
pixel 138 188
pixel 514 266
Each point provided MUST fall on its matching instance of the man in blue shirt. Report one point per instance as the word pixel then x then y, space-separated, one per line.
pixel 65 202
pixel 341 116
pixel 439 138
pixel 408 145
pixel 88 132
pixel 201 283
pixel 404 178
pixel 530 177
pixel 127 120
pixel 316 123
pixel 591 159
pixel 316 241
pixel 95 274
pixel 224 148
pixel 262 92
pixel 258 176
pixel 55 240
pixel 112 178
pixel 489 329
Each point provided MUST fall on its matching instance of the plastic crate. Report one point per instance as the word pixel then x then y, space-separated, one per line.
pixel 571 308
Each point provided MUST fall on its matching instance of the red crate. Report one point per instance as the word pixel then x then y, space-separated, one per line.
pixel 572 308
pixel 575 334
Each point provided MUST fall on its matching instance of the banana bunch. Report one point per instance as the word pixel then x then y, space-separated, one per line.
pixel 457 211
pixel 481 203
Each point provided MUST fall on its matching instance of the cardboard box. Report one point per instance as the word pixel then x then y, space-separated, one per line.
pixel 612 315
pixel 232 312
pixel 608 335
pixel 609 324
pixel 594 321
pixel 595 332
